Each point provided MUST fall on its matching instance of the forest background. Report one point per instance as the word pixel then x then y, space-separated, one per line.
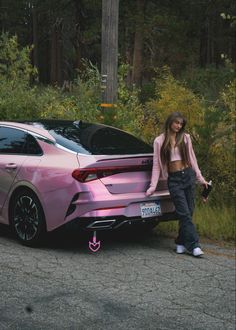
pixel 173 56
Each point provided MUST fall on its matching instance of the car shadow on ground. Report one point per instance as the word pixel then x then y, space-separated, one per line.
pixel 5 231
pixel 67 238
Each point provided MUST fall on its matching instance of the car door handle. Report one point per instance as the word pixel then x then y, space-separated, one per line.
pixel 11 167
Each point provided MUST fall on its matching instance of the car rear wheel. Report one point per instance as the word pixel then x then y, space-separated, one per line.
pixel 27 218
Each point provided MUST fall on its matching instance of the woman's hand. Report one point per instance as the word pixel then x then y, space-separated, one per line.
pixel 205 184
pixel 150 191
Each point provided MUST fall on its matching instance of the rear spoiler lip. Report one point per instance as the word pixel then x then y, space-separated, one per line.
pixel 123 157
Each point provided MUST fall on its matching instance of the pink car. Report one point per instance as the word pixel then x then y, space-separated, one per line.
pixel 55 172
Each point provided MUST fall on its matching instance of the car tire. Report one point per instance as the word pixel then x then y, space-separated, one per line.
pixel 27 218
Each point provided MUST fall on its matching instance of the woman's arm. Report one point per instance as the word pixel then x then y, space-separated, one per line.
pixel 193 161
pixel 155 168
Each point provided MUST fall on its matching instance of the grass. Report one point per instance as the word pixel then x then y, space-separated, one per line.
pixel 215 223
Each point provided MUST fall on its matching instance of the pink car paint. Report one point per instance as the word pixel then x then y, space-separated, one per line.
pixel 114 185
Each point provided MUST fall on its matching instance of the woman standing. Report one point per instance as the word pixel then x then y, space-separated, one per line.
pixel 174 159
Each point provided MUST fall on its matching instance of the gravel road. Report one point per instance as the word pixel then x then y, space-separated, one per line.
pixel 133 282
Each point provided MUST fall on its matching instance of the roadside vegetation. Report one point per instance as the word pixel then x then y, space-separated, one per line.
pixel 212 222
pixel 206 97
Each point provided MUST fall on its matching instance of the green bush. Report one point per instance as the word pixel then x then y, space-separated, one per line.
pixel 208 82
pixel 17 103
pixel 15 66
pixel 170 96
pixel 129 108
pixel 19 99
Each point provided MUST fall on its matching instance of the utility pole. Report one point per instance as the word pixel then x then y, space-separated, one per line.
pixel 110 16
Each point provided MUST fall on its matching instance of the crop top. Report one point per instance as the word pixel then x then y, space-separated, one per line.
pixel 175 154
pixel 160 171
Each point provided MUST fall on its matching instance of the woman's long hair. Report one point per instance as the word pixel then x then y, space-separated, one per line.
pixel 166 146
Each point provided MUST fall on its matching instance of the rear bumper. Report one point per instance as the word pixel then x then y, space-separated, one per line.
pixel 92 205
pixel 110 212
pixel 116 222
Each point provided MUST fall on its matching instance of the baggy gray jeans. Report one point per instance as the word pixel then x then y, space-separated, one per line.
pixel 181 185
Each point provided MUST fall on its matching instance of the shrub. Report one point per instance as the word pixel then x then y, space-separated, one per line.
pixel 129 109
pixel 208 82
pixel 170 96
pixel 20 100
pixel 15 66
pixel 216 148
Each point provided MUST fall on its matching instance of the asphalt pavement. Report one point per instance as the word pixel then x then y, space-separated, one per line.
pixel 132 282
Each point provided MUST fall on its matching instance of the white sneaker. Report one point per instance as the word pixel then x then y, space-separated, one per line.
pixel 197 252
pixel 180 249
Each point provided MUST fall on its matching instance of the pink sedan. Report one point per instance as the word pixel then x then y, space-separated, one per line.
pixel 55 172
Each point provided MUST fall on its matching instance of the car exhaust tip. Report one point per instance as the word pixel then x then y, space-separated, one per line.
pixel 101 224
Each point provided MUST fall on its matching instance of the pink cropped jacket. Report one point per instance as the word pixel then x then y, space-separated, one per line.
pixel 160 171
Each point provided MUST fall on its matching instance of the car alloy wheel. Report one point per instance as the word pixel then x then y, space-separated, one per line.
pixel 27 218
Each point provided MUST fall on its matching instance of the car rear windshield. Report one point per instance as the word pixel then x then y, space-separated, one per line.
pixel 94 139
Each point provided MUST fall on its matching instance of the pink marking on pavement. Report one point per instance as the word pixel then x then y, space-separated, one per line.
pixel 94 245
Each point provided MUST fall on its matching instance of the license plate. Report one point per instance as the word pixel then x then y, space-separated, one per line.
pixel 150 210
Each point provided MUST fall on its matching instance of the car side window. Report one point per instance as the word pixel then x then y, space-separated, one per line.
pixel 15 141
pixel 12 141
pixel 31 146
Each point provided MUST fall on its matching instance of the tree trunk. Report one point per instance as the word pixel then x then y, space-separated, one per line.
pixel 79 19
pixel 138 44
pixel 212 39
pixel 56 55
pixel 110 14
pixel 35 37
pixel 2 10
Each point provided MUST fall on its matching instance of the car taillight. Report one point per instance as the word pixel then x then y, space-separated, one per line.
pixel 90 174
pixel 85 175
